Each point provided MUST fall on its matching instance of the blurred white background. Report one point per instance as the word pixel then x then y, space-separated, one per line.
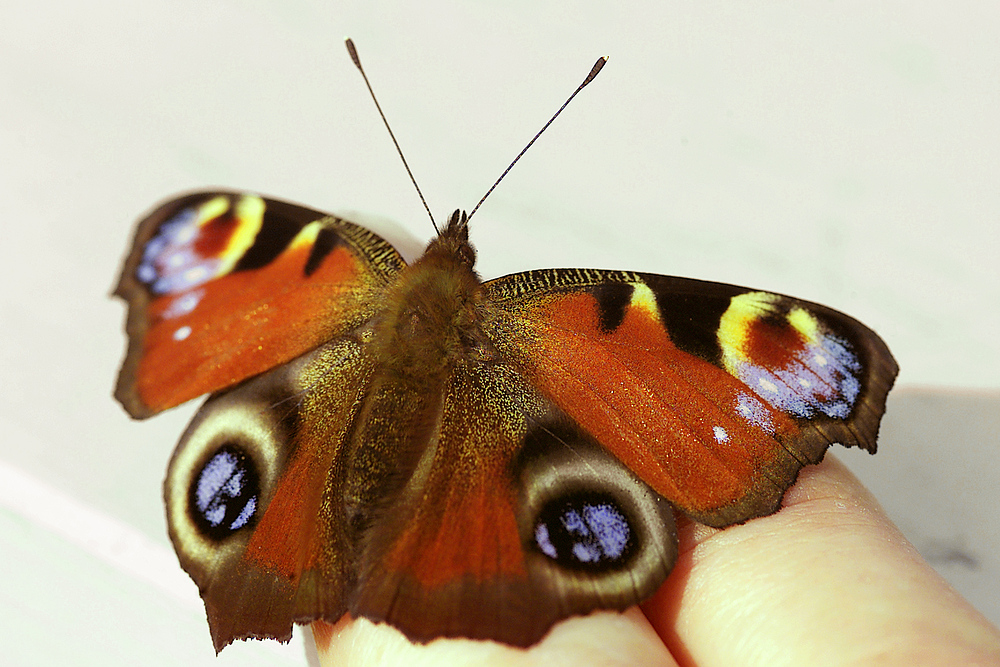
pixel 846 153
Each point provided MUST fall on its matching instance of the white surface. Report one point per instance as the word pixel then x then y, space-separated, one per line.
pixel 843 152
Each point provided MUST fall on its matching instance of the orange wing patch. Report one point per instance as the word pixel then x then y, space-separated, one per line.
pixel 448 549
pixel 288 540
pixel 215 304
pixel 211 337
pixel 463 521
pixel 472 534
pixel 693 432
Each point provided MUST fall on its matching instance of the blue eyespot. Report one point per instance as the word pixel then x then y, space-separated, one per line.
pixel 585 530
pixel 225 493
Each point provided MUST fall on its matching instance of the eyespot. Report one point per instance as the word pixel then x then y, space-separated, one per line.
pixel 224 469
pixel 587 530
pixel 591 529
pixel 225 493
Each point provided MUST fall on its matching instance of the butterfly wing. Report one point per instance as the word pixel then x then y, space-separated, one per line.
pixel 267 304
pixel 255 495
pixel 509 520
pixel 714 395
pixel 223 286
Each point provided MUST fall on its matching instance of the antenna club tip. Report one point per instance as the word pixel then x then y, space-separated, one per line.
pixel 595 70
pixel 349 43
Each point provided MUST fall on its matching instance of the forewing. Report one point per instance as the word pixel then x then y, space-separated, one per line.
pixel 223 286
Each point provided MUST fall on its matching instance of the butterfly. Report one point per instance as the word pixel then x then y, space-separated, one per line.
pixel 460 458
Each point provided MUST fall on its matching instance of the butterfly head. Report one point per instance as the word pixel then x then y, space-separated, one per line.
pixel 453 241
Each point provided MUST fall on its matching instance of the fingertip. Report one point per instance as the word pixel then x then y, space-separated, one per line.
pixel 826 580
pixel 600 639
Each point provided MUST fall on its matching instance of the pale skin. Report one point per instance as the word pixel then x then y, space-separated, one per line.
pixel 828 580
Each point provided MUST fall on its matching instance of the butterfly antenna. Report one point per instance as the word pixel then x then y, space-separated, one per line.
pixel 357 63
pixel 590 77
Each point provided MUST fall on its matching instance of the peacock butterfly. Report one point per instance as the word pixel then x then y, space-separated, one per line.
pixel 455 457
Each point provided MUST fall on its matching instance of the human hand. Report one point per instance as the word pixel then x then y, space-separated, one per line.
pixel 828 580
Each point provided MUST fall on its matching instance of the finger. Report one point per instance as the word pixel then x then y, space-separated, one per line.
pixel 828 580
pixel 603 639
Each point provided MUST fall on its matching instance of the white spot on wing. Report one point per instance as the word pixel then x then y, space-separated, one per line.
pixel 178 259
pixel 751 409
pixel 197 275
pixel 720 434
pixel 182 333
pixel 184 304
pixel 185 234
